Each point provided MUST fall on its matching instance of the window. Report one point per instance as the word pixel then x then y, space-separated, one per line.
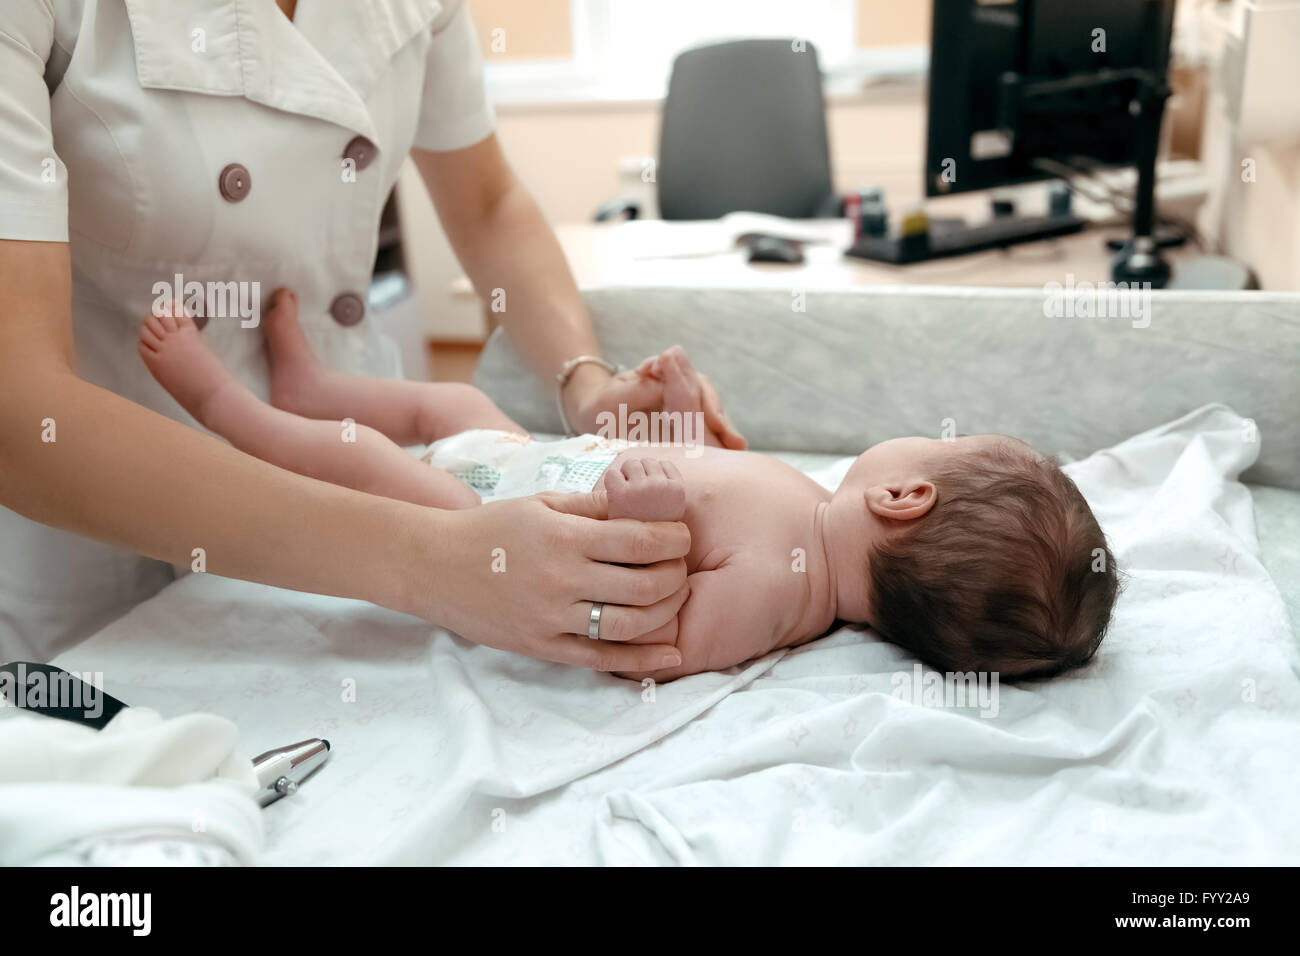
pixel 624 49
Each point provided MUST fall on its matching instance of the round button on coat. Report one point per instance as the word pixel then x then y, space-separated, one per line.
pixel 361 151
pixel 348 309
pixel 234 182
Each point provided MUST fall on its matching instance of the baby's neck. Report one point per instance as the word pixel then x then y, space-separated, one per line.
pixel 846 567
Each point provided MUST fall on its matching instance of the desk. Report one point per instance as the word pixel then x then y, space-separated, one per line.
pixel 641 252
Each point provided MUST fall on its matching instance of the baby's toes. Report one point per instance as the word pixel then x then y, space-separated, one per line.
pixel 151 329
pixel 681 388
pixel 166 316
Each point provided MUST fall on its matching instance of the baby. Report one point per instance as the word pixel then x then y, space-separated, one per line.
pixel 976 554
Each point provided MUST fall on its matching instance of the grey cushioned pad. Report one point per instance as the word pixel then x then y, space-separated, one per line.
pixel 861 366
pixel 856 367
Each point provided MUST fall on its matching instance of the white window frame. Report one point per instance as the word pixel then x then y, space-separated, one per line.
pixel 589 76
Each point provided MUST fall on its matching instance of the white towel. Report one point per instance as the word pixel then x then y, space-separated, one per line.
pixel 141 791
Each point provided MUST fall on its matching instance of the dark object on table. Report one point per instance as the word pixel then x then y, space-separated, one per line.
pixel 773 249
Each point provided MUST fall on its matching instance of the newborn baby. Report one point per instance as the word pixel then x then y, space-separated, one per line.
pixel 976 553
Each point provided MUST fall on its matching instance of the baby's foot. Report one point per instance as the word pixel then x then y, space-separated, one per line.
pixel 682 393
pixel 647 489
pixel 295 370
pixel 182 363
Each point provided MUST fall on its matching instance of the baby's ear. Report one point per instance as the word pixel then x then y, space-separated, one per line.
pixel 901 502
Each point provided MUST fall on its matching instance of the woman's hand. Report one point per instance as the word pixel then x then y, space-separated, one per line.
pixel 521 575
pixel 662 383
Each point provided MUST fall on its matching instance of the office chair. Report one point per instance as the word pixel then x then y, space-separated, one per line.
pixel 744 128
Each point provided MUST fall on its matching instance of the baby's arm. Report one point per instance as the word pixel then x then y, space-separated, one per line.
pixel 728 619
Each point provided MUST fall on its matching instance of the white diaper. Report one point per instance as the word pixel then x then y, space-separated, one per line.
pixel 499 464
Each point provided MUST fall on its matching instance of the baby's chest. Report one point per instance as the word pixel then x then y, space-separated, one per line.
pixel 756 514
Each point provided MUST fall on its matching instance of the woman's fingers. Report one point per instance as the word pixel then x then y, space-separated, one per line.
pixel 716 420
pixel 665 633
pixel 639 586
pixel 584 505
pixel 638 394
pixel 668 382
pixel 284 300
pixel 621 622
pixel 522 575
pixel 626 541
pixel 619 540
pixel 604 656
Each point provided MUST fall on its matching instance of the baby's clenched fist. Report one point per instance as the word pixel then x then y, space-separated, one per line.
pixel 647 489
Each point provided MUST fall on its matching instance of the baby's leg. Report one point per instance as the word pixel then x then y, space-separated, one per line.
pixel 353 456
pixel 407 412
pixel 682 395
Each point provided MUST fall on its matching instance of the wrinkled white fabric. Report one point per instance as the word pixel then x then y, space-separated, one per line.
pixel 143 790
pixel 1177 745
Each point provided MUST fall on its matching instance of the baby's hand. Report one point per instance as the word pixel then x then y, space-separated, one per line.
pixel 646 489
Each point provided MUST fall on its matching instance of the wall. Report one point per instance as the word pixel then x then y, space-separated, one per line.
pixel 575 156
pixel 1254 212
pixel 539 29
pixel 1258 222
pixel 570 158
pixel 532 29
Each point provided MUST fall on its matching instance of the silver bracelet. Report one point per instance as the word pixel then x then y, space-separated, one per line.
pixel 566 373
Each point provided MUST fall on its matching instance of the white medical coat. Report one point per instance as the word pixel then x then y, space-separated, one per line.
pixel 217 141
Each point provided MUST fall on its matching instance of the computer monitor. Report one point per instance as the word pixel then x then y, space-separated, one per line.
pixel 1018 81
pixel 1029 90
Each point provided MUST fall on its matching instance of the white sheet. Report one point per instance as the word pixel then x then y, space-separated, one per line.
pixel 1178 745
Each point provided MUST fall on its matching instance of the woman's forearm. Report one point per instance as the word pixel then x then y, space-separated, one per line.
pixel 544 314
pixel 120 473
pixel 511 256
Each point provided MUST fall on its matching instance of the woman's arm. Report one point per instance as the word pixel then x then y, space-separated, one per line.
pixel 504 242
pixel 126 475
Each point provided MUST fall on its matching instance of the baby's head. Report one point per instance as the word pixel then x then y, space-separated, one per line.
pixel 980 555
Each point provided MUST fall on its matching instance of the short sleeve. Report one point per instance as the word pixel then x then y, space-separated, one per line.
pixel 33 180
pixel 454 110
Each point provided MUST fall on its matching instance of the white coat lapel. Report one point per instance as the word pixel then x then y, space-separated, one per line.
pixel 359 37
pixel 322 65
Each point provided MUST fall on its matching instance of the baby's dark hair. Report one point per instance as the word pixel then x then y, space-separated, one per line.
pixel 1008 572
